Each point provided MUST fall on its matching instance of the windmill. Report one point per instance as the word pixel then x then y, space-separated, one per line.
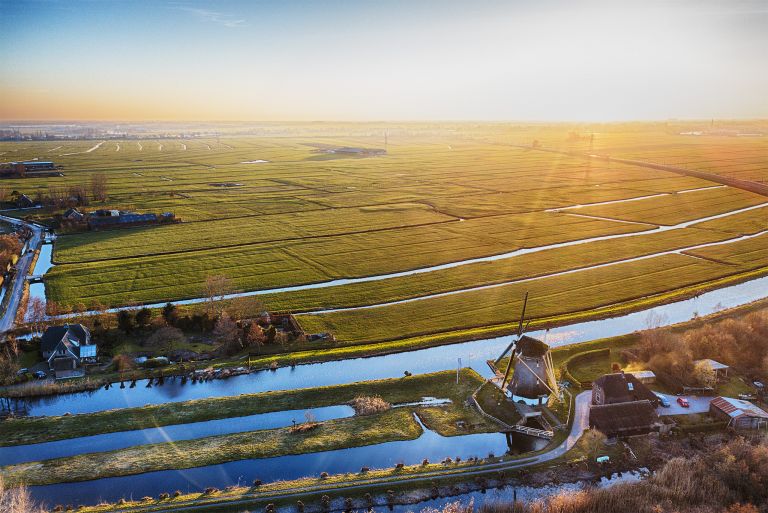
pixel 534 378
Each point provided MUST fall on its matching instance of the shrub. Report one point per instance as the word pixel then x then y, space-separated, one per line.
pixel 424 462
pixel 163 496
pixel 210 490
pixel 257 482
pixel 323 475
pixel 368 405
pixel 177 493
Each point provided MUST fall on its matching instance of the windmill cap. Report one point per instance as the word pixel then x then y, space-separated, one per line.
pixel 529 346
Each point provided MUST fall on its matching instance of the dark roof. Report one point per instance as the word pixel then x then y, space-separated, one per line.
pixel 25 200
pixel 76 334
pixel 123 219
pixel 529 346
pixel 623 417
pixel 623 387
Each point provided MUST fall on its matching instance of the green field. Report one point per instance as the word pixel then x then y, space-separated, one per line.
pixel 441 194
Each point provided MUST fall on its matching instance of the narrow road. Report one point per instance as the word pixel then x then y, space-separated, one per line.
pixel 15 289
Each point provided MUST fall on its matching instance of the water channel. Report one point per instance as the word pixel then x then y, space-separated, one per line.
pixel 429 445
pixel 474 354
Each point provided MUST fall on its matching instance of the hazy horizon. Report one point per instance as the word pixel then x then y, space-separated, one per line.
pixel 339 61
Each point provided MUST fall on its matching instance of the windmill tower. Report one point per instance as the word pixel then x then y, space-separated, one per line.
pixel 534 378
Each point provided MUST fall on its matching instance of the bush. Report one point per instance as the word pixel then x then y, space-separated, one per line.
pixel 368 405
pixel 323 475
pixel 163 496
pixel 177 493
pixel 210 490
pixel 257 482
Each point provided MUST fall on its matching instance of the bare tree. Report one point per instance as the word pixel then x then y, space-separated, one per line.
pixel 37 315
pixel 216 287
pixel 245 307
pixel 99 187
pixel 227 333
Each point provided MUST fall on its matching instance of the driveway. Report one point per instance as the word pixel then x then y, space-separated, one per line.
pixel 698 405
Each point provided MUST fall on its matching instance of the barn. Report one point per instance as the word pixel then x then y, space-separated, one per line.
pixel 739 414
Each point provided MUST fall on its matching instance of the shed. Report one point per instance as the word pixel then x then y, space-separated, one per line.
pixel 25 201
pixel 721 369
pixel 738 413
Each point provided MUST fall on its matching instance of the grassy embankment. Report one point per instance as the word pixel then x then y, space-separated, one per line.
pixel 398 390
pixel 376 481
pixel 392 425
pixel 389 426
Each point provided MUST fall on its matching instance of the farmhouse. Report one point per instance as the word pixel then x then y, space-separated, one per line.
pixel 623 419
pixel 67 347
pixel 738 413
pixel 621 387
pixel 72 214
pixel 622 405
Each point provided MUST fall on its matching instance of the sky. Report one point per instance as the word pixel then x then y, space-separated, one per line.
pixel 378 60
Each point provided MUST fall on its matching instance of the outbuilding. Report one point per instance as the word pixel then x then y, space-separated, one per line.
pixel 721 369
pixel 646 377
pixel 739 414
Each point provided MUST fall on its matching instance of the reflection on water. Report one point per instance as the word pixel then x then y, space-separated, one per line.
pixel 429 445
pixel 393 365
pixel 123 439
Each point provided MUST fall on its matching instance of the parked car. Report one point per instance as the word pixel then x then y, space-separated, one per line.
pixel 747 397
pixel 40 374
pixel 22 371
pixel 663 401
pixel 682 401
pixel 758 384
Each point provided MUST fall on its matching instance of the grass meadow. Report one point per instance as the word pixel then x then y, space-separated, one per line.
pixel 275 211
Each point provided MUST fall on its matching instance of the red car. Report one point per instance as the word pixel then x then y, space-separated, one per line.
pixel 682 401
